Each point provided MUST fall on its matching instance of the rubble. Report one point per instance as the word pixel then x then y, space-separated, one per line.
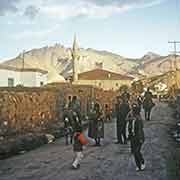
pixel 21 144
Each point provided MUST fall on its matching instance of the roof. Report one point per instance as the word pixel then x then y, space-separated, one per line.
pixel 100 74
pixel 11 68
pixel 54 77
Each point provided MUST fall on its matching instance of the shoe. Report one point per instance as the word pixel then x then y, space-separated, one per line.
pixel 143 166
pixel 75 167
pixel 117 142
pixel 137 169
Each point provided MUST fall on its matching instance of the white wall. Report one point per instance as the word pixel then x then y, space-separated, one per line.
pixel 5 74
pixel 29 79
pixel 41 78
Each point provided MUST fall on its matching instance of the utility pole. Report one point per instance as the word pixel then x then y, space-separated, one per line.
pixel 175 52
pixel 174 67
pixel 23 59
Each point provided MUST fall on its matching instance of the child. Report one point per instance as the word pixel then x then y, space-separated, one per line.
pixel 77 148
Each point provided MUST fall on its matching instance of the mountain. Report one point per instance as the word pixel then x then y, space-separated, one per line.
pixel 159 65
pixel 149 56
pixel 57 61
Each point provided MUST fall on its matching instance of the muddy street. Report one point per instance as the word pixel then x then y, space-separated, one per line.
pixel 108 162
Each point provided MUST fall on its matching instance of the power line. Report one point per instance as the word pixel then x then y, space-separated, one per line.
pixel 175 52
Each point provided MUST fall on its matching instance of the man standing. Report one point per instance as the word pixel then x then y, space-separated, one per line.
pixel 136 136
pixel 122 111
pixel 148 104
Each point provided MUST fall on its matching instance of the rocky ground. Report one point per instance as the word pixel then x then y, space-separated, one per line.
pixel 108 162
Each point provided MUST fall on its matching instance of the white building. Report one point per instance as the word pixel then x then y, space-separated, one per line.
pixel 28 77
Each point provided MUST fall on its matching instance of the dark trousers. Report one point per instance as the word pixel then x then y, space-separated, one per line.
pixel 121 132
pixel 136 150
pixel 98 141
pixel 147 114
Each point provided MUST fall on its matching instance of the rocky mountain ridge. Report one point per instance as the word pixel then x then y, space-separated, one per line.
pixel 57 60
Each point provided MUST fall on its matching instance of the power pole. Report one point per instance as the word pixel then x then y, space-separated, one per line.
pixel 23 59
pixel 174 67
pixel 175 52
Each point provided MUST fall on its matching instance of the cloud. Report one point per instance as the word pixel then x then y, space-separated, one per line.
pixel 121 3
pixel 94 8
pixel 63 9
pixel 79 10
pixel 8 6
pixel 31 11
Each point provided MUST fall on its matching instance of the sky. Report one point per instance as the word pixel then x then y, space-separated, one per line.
pixel 129 28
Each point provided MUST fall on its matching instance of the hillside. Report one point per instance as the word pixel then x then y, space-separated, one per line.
pixel 57 61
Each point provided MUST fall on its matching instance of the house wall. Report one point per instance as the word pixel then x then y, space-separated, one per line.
pixel 41 78
pixel 5 74
pixel 26 78
pixel 105 84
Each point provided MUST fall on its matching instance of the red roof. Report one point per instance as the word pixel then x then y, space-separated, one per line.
pixel 101 74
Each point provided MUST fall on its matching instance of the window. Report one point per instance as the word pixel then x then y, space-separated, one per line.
pixel 100 84
pixel 10 82
pixel 41 83
pixel 117 84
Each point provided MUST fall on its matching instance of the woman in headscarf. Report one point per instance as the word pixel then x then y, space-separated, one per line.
pixel 96 125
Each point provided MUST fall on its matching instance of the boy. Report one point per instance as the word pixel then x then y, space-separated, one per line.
pixel 77 147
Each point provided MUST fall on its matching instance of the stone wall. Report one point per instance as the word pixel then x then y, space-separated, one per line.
pixel 27 109
pixel 37 109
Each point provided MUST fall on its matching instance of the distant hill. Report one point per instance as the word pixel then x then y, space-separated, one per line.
pixel 57 61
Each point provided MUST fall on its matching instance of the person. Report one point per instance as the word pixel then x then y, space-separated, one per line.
pixel 139 102
pixel 76 106
pixel 107 113
pixel 69 102
pixel 125 95
pixel 96 125
pixel 148 104
pixel 122 111
pixel 135 134
pixel 77 147
pixel 118 99
pixel 68 129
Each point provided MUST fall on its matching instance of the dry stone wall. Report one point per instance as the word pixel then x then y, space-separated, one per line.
pixel 25 110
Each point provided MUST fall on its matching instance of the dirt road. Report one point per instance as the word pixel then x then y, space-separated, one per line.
pixel 108 162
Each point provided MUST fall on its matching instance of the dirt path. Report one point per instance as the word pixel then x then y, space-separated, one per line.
pixel 108 162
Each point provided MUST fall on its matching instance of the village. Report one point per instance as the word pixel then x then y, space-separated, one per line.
pixel 32 111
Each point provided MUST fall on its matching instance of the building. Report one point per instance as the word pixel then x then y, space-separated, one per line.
pixel 104 79
pixel 29 77
pixel 99 77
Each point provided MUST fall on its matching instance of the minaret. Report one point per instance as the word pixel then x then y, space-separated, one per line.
pixel 75 58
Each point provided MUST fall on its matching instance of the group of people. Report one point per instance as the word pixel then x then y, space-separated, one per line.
pixel 129 125
pixel 71 118
pixel 73 127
